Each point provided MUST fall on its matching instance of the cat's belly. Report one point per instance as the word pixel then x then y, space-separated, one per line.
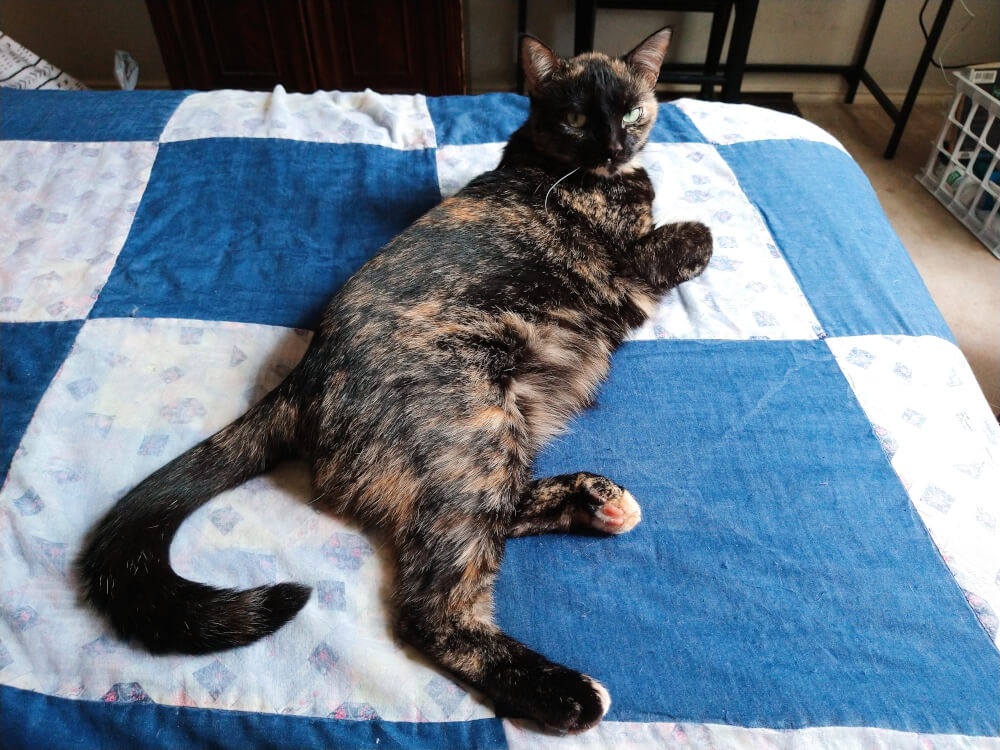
pixel 558 376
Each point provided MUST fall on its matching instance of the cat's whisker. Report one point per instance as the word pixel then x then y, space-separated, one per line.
pixel 546 202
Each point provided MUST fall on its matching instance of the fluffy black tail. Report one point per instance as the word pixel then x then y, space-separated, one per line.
pixel 125 564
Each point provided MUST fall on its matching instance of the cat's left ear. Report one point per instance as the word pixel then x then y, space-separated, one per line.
pixel 647 58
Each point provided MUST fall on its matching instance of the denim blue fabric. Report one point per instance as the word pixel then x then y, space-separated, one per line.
pixel 32 721
pixel 262 231
pixel 674 126
pixel 780 576
pixel 86 115
pixel 30 355
pixel 826 220
pixel 491 118
pixel 488 118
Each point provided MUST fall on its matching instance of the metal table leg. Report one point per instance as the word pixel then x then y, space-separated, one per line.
pixel 871 26
pixel 739 46
pixel 918 77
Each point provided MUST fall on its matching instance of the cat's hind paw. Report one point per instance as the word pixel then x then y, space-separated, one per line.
pixel 614 509
pixel 559 701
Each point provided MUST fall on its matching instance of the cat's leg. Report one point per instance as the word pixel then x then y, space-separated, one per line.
pixel 575 502
pixel 672 253
pixel 444 600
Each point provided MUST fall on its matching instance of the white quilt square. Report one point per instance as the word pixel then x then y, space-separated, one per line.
pixel 723 123
pixel 67 209
pixel 400 121
pixel 748 291
pixel 943 441
pixel 132 394
pixel 458 165
pixel 636 735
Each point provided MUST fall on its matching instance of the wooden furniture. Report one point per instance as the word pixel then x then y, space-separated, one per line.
pixel 393 46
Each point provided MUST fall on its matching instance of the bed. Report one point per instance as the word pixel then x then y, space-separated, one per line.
pixel 818 564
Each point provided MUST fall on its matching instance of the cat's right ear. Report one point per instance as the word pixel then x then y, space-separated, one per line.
pixel 537 61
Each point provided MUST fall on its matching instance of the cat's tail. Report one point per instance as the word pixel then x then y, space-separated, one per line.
pixel 124 567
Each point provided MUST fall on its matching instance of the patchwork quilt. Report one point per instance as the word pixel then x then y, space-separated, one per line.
pixel 818 564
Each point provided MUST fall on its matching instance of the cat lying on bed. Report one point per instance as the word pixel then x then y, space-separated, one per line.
pixel 438 371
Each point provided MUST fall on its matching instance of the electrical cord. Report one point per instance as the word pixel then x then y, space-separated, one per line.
pixel 923 28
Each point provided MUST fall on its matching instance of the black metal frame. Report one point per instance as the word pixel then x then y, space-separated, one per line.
pixel 732 79
pixel 856 73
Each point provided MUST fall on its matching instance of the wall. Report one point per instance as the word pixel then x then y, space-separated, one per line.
pixel 81 37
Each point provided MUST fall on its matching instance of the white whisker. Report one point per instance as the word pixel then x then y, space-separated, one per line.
pixel 546 203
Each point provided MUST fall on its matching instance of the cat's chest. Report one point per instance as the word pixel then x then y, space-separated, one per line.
pixel 610 213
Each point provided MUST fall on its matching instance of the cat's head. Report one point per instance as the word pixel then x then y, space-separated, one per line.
pixel 593 111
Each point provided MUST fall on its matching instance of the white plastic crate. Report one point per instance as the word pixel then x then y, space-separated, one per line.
pixel 963 169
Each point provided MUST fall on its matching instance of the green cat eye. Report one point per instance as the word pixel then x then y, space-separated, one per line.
pixel 576 119
pixel 632 116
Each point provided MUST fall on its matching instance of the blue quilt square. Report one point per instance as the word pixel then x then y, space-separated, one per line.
pixel 674 126
pixel 491 118
pixel 86 115
pixel 261 230
pixel 30 355
pixel 466 120
pixel 35 721
pixel 779 577
pixel 826 219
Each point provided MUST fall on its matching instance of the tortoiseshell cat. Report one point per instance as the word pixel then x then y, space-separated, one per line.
pixel 437 373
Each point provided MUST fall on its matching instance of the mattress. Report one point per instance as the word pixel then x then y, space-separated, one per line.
pixel 818 564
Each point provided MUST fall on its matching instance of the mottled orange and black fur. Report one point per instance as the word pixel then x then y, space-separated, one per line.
pixel 437 373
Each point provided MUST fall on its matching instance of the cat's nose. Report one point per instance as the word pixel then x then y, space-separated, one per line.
pixel 615 151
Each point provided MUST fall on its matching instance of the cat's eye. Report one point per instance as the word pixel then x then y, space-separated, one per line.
pixel 576 119
pixel 631 117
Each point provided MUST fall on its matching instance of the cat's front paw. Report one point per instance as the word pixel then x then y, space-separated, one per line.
pixel 613 509
pixel 694 243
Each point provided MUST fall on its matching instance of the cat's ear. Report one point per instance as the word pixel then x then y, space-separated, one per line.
pixel 538 62
pixel 647 58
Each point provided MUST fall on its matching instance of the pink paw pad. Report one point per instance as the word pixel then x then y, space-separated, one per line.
pixel 618 515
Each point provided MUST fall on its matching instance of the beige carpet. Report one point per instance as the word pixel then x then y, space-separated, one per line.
pixel 963 276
